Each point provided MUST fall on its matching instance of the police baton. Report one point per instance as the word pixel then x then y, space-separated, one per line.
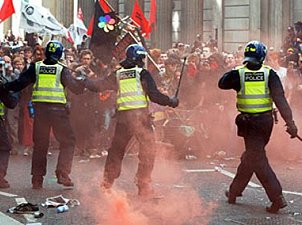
pixel 62 64
pixel 300 139
pixel 80 75
pixel 181 75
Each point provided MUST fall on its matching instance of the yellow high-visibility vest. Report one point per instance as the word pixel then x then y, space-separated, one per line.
pixel 130 93
pixel 1 109
pixel 48 87
pixel 254 95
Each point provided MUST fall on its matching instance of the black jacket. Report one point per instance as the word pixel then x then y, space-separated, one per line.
pixel 231 80
pixel 29 76
pixel 8 99
pixel 149 86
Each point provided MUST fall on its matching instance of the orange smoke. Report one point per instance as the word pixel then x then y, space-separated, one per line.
pixel 121 213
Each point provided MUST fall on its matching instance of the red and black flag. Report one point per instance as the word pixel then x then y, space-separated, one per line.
pixel 104 32
pixel 140 20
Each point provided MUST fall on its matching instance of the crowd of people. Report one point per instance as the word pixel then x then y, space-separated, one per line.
pixel 72 101
pixel 190 129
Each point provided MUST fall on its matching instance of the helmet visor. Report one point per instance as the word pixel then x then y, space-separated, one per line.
pixel 250 60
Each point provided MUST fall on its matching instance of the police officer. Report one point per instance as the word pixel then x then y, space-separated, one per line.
pixel 135 87
pixel 50 79
pixel 257 87
pixel 10 101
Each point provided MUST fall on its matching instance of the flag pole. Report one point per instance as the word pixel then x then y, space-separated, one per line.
pixel 75 15
pixel 112 9
pixel 149 57
pixel 139 34
pixel 75 10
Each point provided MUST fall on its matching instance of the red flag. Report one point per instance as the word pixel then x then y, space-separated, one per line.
pixel 106 8
pixel 90 27
pixel 6 10
pixel 152 19
pixel 69 38
pixel 140 19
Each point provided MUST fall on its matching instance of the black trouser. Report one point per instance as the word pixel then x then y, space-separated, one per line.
pixel 52 116
pixel 256 136
pixel 5 148
pixel 129 123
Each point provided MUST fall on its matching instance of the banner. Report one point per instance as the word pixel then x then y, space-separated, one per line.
pixel 78 29
pixel 105 32
pixel 37 19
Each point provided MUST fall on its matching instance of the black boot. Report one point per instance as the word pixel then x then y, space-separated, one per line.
pixel 279 203
pixel 231 197
pixel 106 185
pixel 145 190
pixel 4 183
pixel 37 182
pixel 64 179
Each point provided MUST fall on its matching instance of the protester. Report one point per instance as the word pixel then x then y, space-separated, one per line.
pixel 86 133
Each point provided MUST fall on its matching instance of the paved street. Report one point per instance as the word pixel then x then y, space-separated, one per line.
pixel 192 195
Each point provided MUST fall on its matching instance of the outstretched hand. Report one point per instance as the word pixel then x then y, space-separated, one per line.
pixel 174 102
pixel 292 129
pixel 81 75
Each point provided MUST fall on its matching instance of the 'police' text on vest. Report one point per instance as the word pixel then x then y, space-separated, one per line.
pixel 48 70
pixel 259 76
pixel 127 75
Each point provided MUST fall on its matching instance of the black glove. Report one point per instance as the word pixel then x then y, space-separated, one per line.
pixel 173 102
pixel 2 81
pixel 292 129
pixel 3 90
pixel 81 75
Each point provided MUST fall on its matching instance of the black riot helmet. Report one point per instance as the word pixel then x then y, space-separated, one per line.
pixel 54 50
pixel 255 52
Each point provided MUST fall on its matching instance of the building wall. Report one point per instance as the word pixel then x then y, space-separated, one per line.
pixel 207 19
pixel 236 23
pixel 297 10
pixel 192 23
pixel 231 22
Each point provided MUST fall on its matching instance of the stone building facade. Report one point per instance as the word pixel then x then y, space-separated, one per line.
pixel 230 22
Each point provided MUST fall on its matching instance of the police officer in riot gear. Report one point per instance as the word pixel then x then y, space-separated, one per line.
pixel 49 79
pixel 10 101
pixel 135 87
pixel 257 87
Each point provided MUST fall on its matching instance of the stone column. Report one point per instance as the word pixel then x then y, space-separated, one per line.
pixel 255 15
pixel 279 22
pixel 264 25
pixel 217 23
pixel 129 7
pixel 192 22
pixel 163 36
pixel 275 23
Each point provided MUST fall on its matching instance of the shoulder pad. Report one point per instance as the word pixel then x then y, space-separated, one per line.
pixel 239 67
pixel 267 67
